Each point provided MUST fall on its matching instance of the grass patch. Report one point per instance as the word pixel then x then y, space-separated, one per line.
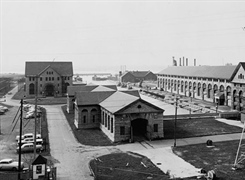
pixel 125 166
pixel 197 127
pixel 221 157
pixel 48 101
pixel 41 101
pixel 92 137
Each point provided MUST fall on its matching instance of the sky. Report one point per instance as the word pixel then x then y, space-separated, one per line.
pixel 109 36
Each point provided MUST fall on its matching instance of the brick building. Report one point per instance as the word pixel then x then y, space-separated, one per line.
pixel 121 115
pixel 50 78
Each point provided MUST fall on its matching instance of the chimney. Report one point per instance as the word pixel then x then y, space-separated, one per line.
pixel 194 62
pixel 186 61
pixel 180 62
pixel 174 62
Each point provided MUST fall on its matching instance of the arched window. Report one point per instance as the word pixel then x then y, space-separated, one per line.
pixel 84 115
pixel 31 88
pixel 93 115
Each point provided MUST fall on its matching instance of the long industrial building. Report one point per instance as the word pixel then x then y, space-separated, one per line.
pixel 224 85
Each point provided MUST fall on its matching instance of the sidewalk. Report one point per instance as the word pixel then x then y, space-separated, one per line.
pixel 160 153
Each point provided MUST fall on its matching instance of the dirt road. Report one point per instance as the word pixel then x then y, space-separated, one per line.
pixel 72 157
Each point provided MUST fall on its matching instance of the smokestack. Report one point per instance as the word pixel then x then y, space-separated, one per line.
pixel 174 62
pixel 194 62
pixel 186 61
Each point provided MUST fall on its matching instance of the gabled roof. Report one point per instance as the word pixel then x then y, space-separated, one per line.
pixel 34 68
pixel 140 73
pixel 241 64
pixel 132 92
pixel 151 107
pixel 72 89
pixel 117 101
pixel 137 74
pixel 40 160
pixel 92 98
pixel 222 72
pixel 105 88
pixel 88 88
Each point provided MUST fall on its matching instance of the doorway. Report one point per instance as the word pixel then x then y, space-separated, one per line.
pixel 49 90
pixel 139 129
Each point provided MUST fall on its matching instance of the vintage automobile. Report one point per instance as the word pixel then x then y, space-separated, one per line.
pixel 10 164
pixel 30 140
pixel 29 147
pixel 28 135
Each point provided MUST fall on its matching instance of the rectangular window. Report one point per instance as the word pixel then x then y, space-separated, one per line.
pixel 58 78
pixel 39 170
pixel 52 78
pixel 33 79
pixel 29 78
pixel 111 125
pixel 58 85
pixel 46 78
pixel 49 78
pixel 93 118
pixel 103 118
pixel 122 130
pixel 40 85
pixel 105 121
pixel 84 119
pixel 155 127
pixel 41 78
pixel 68 78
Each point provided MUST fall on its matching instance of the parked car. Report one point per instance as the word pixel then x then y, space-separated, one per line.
pixel 4 108
pixel 30 140
pixel 10 164
pixel 29 147
pixel 28 135
pixel 2 112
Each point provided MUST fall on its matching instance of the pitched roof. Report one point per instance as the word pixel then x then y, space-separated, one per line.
pixel 72 89
pixel 63 68
pixel 92 98
pixel 132 92
pixel 105 88
pixel 40 160
pixel 117 101
pixel 241 64
pixel 87 88
pixel 138 74
pixel 223 72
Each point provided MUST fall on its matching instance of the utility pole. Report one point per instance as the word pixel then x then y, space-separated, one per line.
pixel 175 119
pixel 35 128
pixel 20 138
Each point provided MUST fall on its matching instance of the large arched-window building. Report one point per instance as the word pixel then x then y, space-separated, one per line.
pixel 52 78
pixel 224 85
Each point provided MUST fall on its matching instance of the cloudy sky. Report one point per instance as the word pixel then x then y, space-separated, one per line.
pixel 106 35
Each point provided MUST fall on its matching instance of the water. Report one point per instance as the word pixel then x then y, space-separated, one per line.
pixel 89 80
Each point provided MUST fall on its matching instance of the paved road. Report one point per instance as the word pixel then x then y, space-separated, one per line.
pixel 72 158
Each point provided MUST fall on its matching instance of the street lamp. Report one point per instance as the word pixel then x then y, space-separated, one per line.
pixel 175 119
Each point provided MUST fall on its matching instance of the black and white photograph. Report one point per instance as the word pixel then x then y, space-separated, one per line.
pixel 122 90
